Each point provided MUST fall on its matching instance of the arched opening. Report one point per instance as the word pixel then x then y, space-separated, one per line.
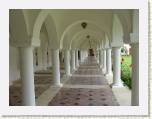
pixel 80 49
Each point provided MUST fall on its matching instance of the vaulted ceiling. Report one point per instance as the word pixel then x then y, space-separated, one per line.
pixel 64 26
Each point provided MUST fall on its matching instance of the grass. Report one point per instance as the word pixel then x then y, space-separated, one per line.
pixel 126 71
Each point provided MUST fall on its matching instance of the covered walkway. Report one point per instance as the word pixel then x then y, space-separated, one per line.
pixel 86 87
pixel 72 56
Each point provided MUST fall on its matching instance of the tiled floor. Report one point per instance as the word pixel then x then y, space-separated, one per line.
pixel 87 81
pixel 15 94
pixel 86 87
pixel 84 97
pixel 88 72
pixel 42 82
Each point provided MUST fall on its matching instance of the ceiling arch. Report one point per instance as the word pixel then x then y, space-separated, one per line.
pixel 94 36
pixel 77 27
pixel 62 25
pixel 45 18
pixel 125 18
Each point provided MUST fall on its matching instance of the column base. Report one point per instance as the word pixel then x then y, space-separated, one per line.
pixel 57 85
pixel 72 71
pixel 117 85
pixel 68 75
pixel 103 71
pixel 98 61
pixel 76 68
pixel 109 75
pixel 28 104
pixel 81 62
pixel 100 66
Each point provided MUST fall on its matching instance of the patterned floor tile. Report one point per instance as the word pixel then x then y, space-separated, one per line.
pixel 15 94
pixel 84 97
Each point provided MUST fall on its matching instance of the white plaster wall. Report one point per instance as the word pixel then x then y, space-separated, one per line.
pixel 14 72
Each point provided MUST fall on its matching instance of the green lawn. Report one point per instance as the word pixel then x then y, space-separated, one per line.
pixel 126 71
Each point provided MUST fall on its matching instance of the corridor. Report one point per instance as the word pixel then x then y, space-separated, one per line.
pixel 73 57
pixel 86 87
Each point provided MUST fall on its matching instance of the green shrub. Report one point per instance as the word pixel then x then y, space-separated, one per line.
pixel 126 71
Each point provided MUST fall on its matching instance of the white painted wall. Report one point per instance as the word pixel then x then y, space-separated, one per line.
pixel 14 72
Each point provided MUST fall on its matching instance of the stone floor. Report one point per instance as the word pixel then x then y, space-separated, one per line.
pixel 86 81
pixel 86 87
pixel 42 81
pixel 15 94
pixel 84 97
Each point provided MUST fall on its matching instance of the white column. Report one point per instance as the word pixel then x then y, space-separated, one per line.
pixel 76 59
pixel 135 74
pixel 100 58
pixel 117 67
pixel 85 54
pixel 104 62
pixel 40 64
pixel 34 60
pixel 56 67
pixel 81 56
pixel 73 59
pixel 44 58
pixel 49 58
pixel 27 76
pixel 67 62
pixel 108 63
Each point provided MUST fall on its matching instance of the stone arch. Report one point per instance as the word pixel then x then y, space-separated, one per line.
pixel 66 40
pixel 45 18
pixel 79 37
pixel 86 45
pixel 117 32
pixel 41 53
pixel 125 19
